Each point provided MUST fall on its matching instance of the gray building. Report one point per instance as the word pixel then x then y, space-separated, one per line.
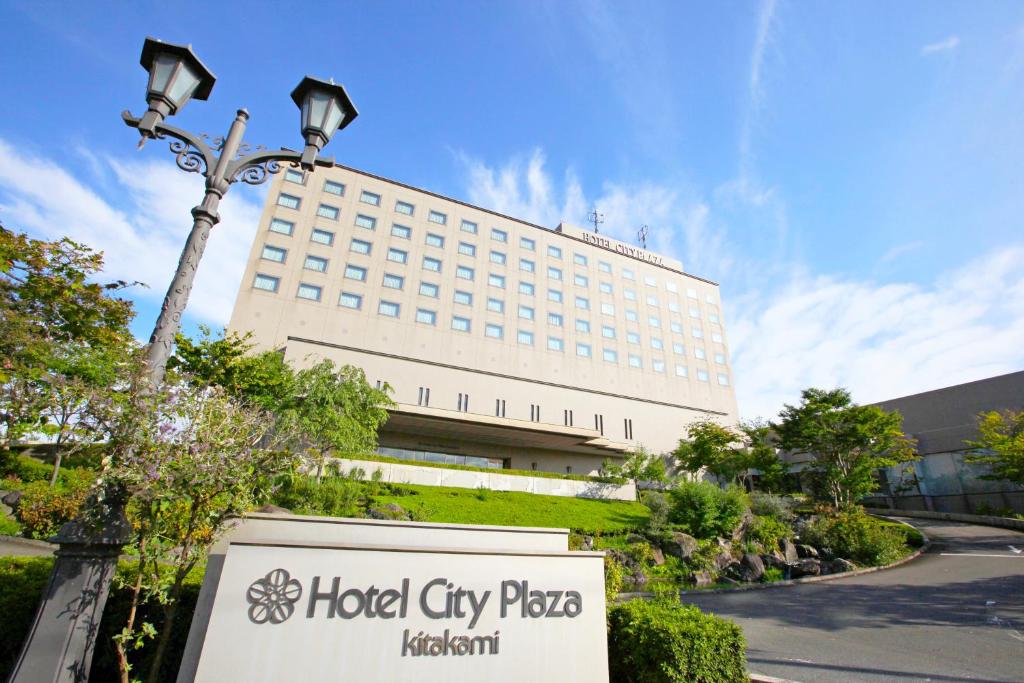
pixel 941 421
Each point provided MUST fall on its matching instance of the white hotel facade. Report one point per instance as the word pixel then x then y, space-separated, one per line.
pixel 507 344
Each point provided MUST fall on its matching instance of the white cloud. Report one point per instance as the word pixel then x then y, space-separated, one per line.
pixel 790 328
pixel 140 220
pixel 946 45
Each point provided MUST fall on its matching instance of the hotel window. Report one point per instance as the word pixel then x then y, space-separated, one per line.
pixel 554 252
pixel 567 418
pixel 658 365
pixel 460 324
pixel 525 337
pixel 469 226
pixel 393 281
pixel 371 198
pixel 527 265
pixel 431 264
pixel 582 325
pixel 331 187
pixel 671 287
pixel 525 312
pixel 583 350
pixel 434 240
pixel 388 308
pixel 554 273
pixel 464 273
pixel 635 361
pixel 676 327
pixel 723 379
pixel 398 256
pixel 713 317
pixel 650 281
pixel 423 398
pixel 716 337
pixel 691 292
pixel 405 208
pixel 360 247
pixel 697 333
pixel 322 237
pixel 526 288
pixel 656 343
pixel 583 302
pixel 607 308
pixel 495 305
pixel 678 348
pixel 499 235
pixel 494 331
pixel 605 287
pixel 328 211
pixel 720 358
pixel 429 289
pixel 293 176
pixel 364 221
pixel 628 274
pixel 555 295
pixel 401 231
pixel 681 371
pixel 288 201
pixel 349 300
pixel 437 217
pixel 534 417
pixel 652 300
pixel 311 292
pixel 315 263
pixel 579 259
pixel 604 266
pixel 611 355
pixel 709 299
pixel 673 306
pixel 556 344
pixel 498 257
pixel 467 249
pixel 608 332
pixel 464 298
pixel 630 294
pixel 633 337
pixel 580 280
pixel 702 375
pixel 699 353
pixel 694 312
pixel 527 243
pixel 426 316
pixel 631 315
pixel 555 319
pixel 355 273
pixel 653 321
pixel 499 407
pixel 628 425
pixel 275 254
pixel 282 227
pixel 266 283
pixel 496 280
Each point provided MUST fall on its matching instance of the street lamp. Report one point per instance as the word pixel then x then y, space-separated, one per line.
pixel 176 75
pixel 60 643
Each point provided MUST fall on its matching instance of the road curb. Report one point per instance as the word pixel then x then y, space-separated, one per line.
pixel 761 678
pixel 796 582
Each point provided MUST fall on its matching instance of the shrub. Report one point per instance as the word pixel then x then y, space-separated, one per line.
pixel 43 509
pixel 652 642
pixel 613 578
pixel 855 536
pixel 768 531
pixel 656 503
pixel 29 469
pixel 706 511
pixel 772 574
pixel 331 497
pixel 9 527
pixel 771 505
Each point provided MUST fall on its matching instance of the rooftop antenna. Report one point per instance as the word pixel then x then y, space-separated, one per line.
pixel 596 218
pixel 642 235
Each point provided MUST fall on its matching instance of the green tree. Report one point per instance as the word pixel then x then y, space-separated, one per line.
pixel 1000 445
pixel 334 409
pixel 712 448
pixel 849 443
pixel 762 454
pixel 640 465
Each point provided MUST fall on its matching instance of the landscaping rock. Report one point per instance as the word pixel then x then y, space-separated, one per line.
pixel 681 545
pixel 805 567
pixel 389 511
pixel 12 498
pixel 587 543
pixel 773 560
pixel 701 579
pixel 789 551
pixel 636 580
pixel 657 556
pixel 806 551
pixel 744 526
pixel 839 565
pixel 274 510
pixel 751 567
pixel 6 511
pixel 723 560
pixel 635 538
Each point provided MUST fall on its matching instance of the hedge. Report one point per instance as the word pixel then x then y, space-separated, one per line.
pixel 662 641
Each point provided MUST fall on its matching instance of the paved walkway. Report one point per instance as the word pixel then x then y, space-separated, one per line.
pixel 954 614
pixel 17 548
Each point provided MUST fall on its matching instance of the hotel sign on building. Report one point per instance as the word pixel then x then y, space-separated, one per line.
pixel 620 247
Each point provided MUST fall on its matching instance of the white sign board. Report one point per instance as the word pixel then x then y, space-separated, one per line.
pixel 332 612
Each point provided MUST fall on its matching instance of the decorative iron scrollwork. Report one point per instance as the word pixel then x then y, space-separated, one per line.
pixel 257 174
pixel 188 157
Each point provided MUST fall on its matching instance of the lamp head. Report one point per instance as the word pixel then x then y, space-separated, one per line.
pixel 176 75
pixel 326 109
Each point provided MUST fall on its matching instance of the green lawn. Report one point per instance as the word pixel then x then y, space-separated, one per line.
pixel 506 508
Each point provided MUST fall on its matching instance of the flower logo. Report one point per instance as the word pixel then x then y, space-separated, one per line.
pixel 273 597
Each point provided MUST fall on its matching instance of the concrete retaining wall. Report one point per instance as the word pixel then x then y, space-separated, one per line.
pixel 984 520
pixel 396 473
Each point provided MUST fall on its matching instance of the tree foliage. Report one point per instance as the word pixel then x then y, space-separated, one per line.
pixel 848 443
pixel 1000 445
pixel 640 465
pixel 731 453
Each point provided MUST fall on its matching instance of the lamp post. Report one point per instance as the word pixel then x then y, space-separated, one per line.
pixel 60 642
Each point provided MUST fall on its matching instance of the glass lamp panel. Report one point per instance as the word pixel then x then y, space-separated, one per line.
pixel 161 71
pixel 315 111
pixel 183 85
pixel 334 114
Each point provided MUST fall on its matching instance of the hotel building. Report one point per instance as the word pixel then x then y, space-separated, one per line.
pixel 507 344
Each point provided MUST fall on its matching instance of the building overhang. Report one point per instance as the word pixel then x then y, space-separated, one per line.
pixel 439 428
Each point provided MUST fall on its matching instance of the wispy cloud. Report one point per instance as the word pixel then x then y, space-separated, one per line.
pixel 141 234
pixel 900 250
pixel 946 45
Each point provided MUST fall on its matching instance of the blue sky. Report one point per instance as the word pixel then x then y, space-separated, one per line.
pixel 851 173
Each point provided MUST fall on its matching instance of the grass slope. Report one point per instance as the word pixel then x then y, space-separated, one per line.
pixel 507 508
